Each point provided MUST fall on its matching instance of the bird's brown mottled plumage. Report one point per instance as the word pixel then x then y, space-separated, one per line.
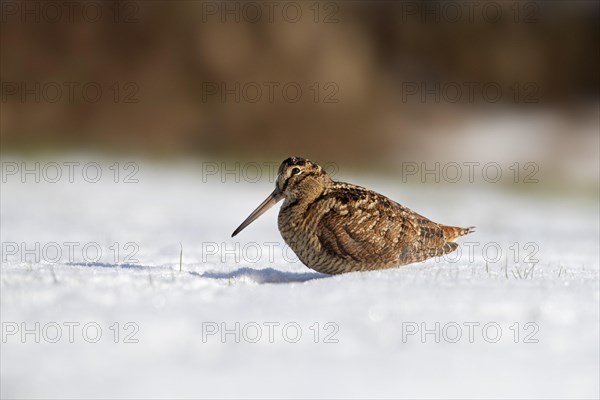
pixel 336 227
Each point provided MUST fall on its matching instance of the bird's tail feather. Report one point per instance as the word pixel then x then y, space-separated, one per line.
pixel 451 233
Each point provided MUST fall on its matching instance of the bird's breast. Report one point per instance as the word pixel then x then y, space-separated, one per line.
pixel 298 223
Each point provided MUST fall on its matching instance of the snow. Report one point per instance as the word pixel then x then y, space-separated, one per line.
pixel 364 321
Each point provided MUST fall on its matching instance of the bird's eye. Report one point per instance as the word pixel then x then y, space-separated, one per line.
pixel 296 171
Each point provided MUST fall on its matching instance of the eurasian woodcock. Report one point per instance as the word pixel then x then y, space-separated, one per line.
pixel 335 227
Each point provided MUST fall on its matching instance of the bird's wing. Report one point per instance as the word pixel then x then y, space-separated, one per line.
pixel 367 226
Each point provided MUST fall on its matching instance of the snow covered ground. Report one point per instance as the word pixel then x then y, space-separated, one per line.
pixel 244 318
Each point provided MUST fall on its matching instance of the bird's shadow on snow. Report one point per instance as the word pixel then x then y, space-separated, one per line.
pixel 266 275
pixel 107 265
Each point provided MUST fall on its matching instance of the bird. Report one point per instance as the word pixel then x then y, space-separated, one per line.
pixel 336 227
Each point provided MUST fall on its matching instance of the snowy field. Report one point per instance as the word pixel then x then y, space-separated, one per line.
pixel 244 318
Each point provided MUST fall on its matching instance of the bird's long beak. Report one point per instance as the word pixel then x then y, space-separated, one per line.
pixel 260 210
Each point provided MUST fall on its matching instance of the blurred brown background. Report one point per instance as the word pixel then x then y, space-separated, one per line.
pixel 367 71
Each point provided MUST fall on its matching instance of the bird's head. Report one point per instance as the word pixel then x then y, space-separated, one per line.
pixel 296 178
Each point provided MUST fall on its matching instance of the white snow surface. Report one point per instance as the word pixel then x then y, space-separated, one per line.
pixel 363 348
